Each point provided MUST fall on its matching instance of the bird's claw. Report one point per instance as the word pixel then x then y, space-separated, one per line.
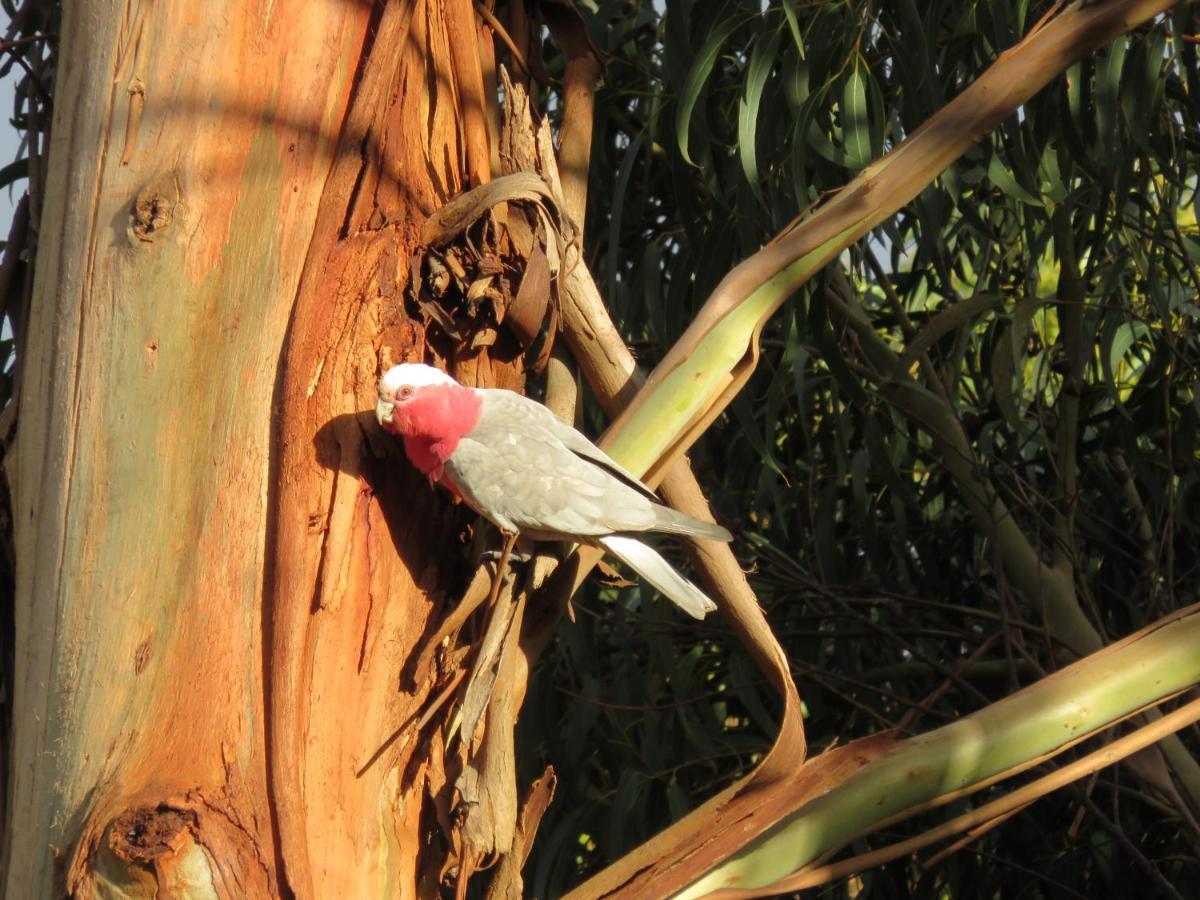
pixel 517 556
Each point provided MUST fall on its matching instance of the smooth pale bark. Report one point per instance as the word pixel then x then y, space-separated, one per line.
pixel 191 148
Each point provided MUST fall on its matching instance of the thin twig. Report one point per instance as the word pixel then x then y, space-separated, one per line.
pixel 9 46
pixel 430 709
pixel 34 81
pixel 518 57
pixel 1165 888
pixel 970 837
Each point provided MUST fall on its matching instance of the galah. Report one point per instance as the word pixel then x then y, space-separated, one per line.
pixel 529 473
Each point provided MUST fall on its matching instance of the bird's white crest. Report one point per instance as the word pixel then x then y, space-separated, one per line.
pixel 414 374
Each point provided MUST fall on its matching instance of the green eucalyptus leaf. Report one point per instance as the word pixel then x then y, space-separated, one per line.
pixel 999 175
pixel 762 59
pixel 697 76
pixel 855 117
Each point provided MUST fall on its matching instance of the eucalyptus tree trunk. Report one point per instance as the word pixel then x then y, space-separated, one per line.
pixel 212 618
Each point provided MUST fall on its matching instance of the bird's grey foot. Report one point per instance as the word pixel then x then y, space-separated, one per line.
pixel 520 555
pixel 520 549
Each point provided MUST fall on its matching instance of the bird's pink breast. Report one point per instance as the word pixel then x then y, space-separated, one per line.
pixel 433 421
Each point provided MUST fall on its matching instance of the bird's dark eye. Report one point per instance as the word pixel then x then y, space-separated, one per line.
pixel 404 393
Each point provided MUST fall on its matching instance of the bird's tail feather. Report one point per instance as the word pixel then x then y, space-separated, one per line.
pixel 646 561
pixel 672 521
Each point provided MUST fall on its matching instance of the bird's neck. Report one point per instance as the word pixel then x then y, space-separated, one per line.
pixel 434 421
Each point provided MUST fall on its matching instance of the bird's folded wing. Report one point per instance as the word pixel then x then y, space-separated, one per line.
pixel 527 477
pixel 509 418
pixel 534 415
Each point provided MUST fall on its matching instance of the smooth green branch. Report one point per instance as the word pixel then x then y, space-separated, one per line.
pixel 971 753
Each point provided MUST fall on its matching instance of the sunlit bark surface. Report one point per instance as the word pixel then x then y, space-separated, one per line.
pixel 212 616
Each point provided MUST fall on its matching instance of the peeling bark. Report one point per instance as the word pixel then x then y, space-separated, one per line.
pixel 367 556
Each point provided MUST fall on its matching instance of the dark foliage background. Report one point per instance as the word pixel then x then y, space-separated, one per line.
pixel 717 124
pixel 27 65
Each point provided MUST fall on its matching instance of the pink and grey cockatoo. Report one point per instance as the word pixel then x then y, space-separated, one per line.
pixel 528 472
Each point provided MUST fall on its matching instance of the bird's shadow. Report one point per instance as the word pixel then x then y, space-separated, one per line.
pixel 424 526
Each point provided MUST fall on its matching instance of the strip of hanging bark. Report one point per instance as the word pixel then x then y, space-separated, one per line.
pixel 487 664
pixel 610 368
pixel 527 311
pixel 488 784
pixel 455 217
pixel 534 307
pixel 507 882
pixel 488 826
pixel 521 150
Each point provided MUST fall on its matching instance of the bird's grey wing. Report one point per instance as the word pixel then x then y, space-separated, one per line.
pixel 526 477
pixel 667 520
pixel 535 414
pixel 508 410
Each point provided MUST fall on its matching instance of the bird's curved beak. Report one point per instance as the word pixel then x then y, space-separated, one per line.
pixel 383 411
